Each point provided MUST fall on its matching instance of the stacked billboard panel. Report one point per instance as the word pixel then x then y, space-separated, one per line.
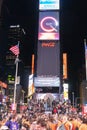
pixel 48 26
pixel 48 49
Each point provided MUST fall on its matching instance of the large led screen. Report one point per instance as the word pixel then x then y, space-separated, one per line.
pixel 48 59
pixel 49 4
pixel 48 26
pixel 46 81
pixel 45 96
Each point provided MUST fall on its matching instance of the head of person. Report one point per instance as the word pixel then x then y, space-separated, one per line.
pixel 41 125
pixel 14 118
pixel 85 120
pixel 64 118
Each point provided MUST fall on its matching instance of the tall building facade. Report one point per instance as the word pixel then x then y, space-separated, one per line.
pixel 14 35
pixel 48 70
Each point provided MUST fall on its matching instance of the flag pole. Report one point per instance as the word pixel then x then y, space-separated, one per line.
pixel 16 72
pixel 85 57
pixel 15 85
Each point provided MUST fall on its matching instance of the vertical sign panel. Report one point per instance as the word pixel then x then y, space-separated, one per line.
pixel 48 61
pixel 64 66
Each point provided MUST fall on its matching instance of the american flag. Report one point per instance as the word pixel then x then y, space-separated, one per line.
pixel 15 49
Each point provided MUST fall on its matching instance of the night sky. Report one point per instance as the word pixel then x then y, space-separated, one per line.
pixel 73 31
pixel 73 28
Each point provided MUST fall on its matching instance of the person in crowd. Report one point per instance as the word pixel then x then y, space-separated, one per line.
pixel 52 123
pixel 67 124
pixel 83 126
pixel 76 122
pixel 12 124
pixel 55 110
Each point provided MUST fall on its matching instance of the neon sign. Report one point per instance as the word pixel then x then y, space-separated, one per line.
pixel 49 24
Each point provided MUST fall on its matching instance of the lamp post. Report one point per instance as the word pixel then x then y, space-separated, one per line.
pixel 73 98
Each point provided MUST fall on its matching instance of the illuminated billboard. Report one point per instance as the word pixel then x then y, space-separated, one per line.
pixel 49 4
pixel 48 26
pixel 31 88
pixel 45 96
pixel 64 66
pixel 47 82
pixel 48 59
pixel 66 91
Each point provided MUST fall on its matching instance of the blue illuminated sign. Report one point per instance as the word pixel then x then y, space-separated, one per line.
pixel 49 4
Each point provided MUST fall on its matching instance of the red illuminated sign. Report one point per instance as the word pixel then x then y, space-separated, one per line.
pixel 51 44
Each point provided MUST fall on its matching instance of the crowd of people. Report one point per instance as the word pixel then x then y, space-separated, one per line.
pixel 43 115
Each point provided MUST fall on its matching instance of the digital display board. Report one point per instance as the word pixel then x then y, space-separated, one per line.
pixel 31 88
pixel 47 82
pixel 64 66
pixel 48 58
pixel 45 96
pixel 49 4
pixel 48 26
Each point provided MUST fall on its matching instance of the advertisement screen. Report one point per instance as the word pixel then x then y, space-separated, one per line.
pixel 49 4
pixel 64 66
pixel 48 59
pixel 47 82
pixel 31 88
pixel 45 96
pixel 48 26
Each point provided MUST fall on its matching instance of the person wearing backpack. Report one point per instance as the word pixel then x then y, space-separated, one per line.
pixel 61 127
pixel 65 124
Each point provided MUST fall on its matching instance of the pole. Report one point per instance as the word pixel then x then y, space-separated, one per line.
pixel 23 97
pixel 15 85
pixel 85 57
pixel 73 98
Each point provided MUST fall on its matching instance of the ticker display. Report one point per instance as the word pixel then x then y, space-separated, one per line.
pixel 47 81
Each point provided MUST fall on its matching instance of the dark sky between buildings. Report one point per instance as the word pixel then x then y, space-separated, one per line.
pixel 73 28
